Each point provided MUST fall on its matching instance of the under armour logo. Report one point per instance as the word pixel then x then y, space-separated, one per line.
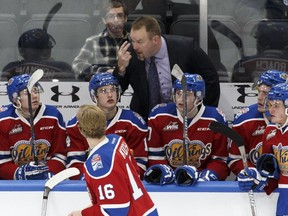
pixel 241 90
pixel 55 97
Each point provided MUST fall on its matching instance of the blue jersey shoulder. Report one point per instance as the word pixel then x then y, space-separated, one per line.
pixel 250 112
pixel 100 162
pixel 8 111
pixel 52 111
pixel 72 122
pixel 133 117
pixel 164 108
pixel 214 113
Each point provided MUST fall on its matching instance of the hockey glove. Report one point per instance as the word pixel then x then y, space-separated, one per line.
pixel 267 166
pixel 159 174
pixel 208 175
pixel 250 179
pixel 31 171
pixel 186 175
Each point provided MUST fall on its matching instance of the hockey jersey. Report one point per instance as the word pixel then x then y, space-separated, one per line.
pixel 113 183
pixel 15 135
pixel 275 142
pixel 207 149
pixel 250 124
pixel 126 123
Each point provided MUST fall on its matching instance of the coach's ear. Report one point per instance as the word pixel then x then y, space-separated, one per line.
pixel 267 166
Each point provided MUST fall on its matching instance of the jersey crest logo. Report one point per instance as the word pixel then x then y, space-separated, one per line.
pixel 271 134
pixel 16 130
pixel 242 111
pixel 259 131
pixel 221 113
pixel 140 118
pixel 96 162
pixel 281 154
pixel 197 151
pixel 22 151
pixel 254 154
pixel 172 126
pixel 3 108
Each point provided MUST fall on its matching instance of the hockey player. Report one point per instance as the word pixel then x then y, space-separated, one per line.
pixel 251 122
pixel 16 154
pixel 112 181
pixel 272 166
pixel 105 91
pixel 207 150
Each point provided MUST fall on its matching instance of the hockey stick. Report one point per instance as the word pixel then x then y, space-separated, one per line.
pixel 179 75
pixel 233 135
pixel 55 180
pixel 35 77
pixel 50 15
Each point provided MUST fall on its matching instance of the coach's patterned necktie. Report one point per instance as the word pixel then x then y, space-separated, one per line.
pixel 154 85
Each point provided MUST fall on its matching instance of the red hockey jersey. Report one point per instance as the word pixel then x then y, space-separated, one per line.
pixel 275 142
pixel 113 183
pixel 15 135
pixel 207 149
pixel 126 123
pixel 249 124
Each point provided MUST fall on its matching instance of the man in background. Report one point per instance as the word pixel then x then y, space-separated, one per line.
pixel 99 53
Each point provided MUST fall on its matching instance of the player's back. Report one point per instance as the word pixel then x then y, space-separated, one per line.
pixel 113 181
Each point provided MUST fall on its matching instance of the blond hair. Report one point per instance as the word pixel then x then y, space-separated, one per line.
pixel 92 121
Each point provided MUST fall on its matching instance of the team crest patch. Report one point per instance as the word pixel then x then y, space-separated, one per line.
pixel 242 111
pixel 139 117
pixel 172 126
pixel 281 154
pixel 96 162
pixel 3 108
pixel 271 134
pixel 22 152
pixel 16 130
pixel 254 154
pixel 259 131
pixel 197 151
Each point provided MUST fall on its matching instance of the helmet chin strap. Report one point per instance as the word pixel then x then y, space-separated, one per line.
pixel 192 112
pixel 19 107
pixel 286 122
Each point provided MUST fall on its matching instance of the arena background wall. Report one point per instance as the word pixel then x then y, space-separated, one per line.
pixel 69 96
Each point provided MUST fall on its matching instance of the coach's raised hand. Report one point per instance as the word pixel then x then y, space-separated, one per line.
pixel 124 57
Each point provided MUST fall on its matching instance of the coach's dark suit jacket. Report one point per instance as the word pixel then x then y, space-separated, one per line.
pixel 182 51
